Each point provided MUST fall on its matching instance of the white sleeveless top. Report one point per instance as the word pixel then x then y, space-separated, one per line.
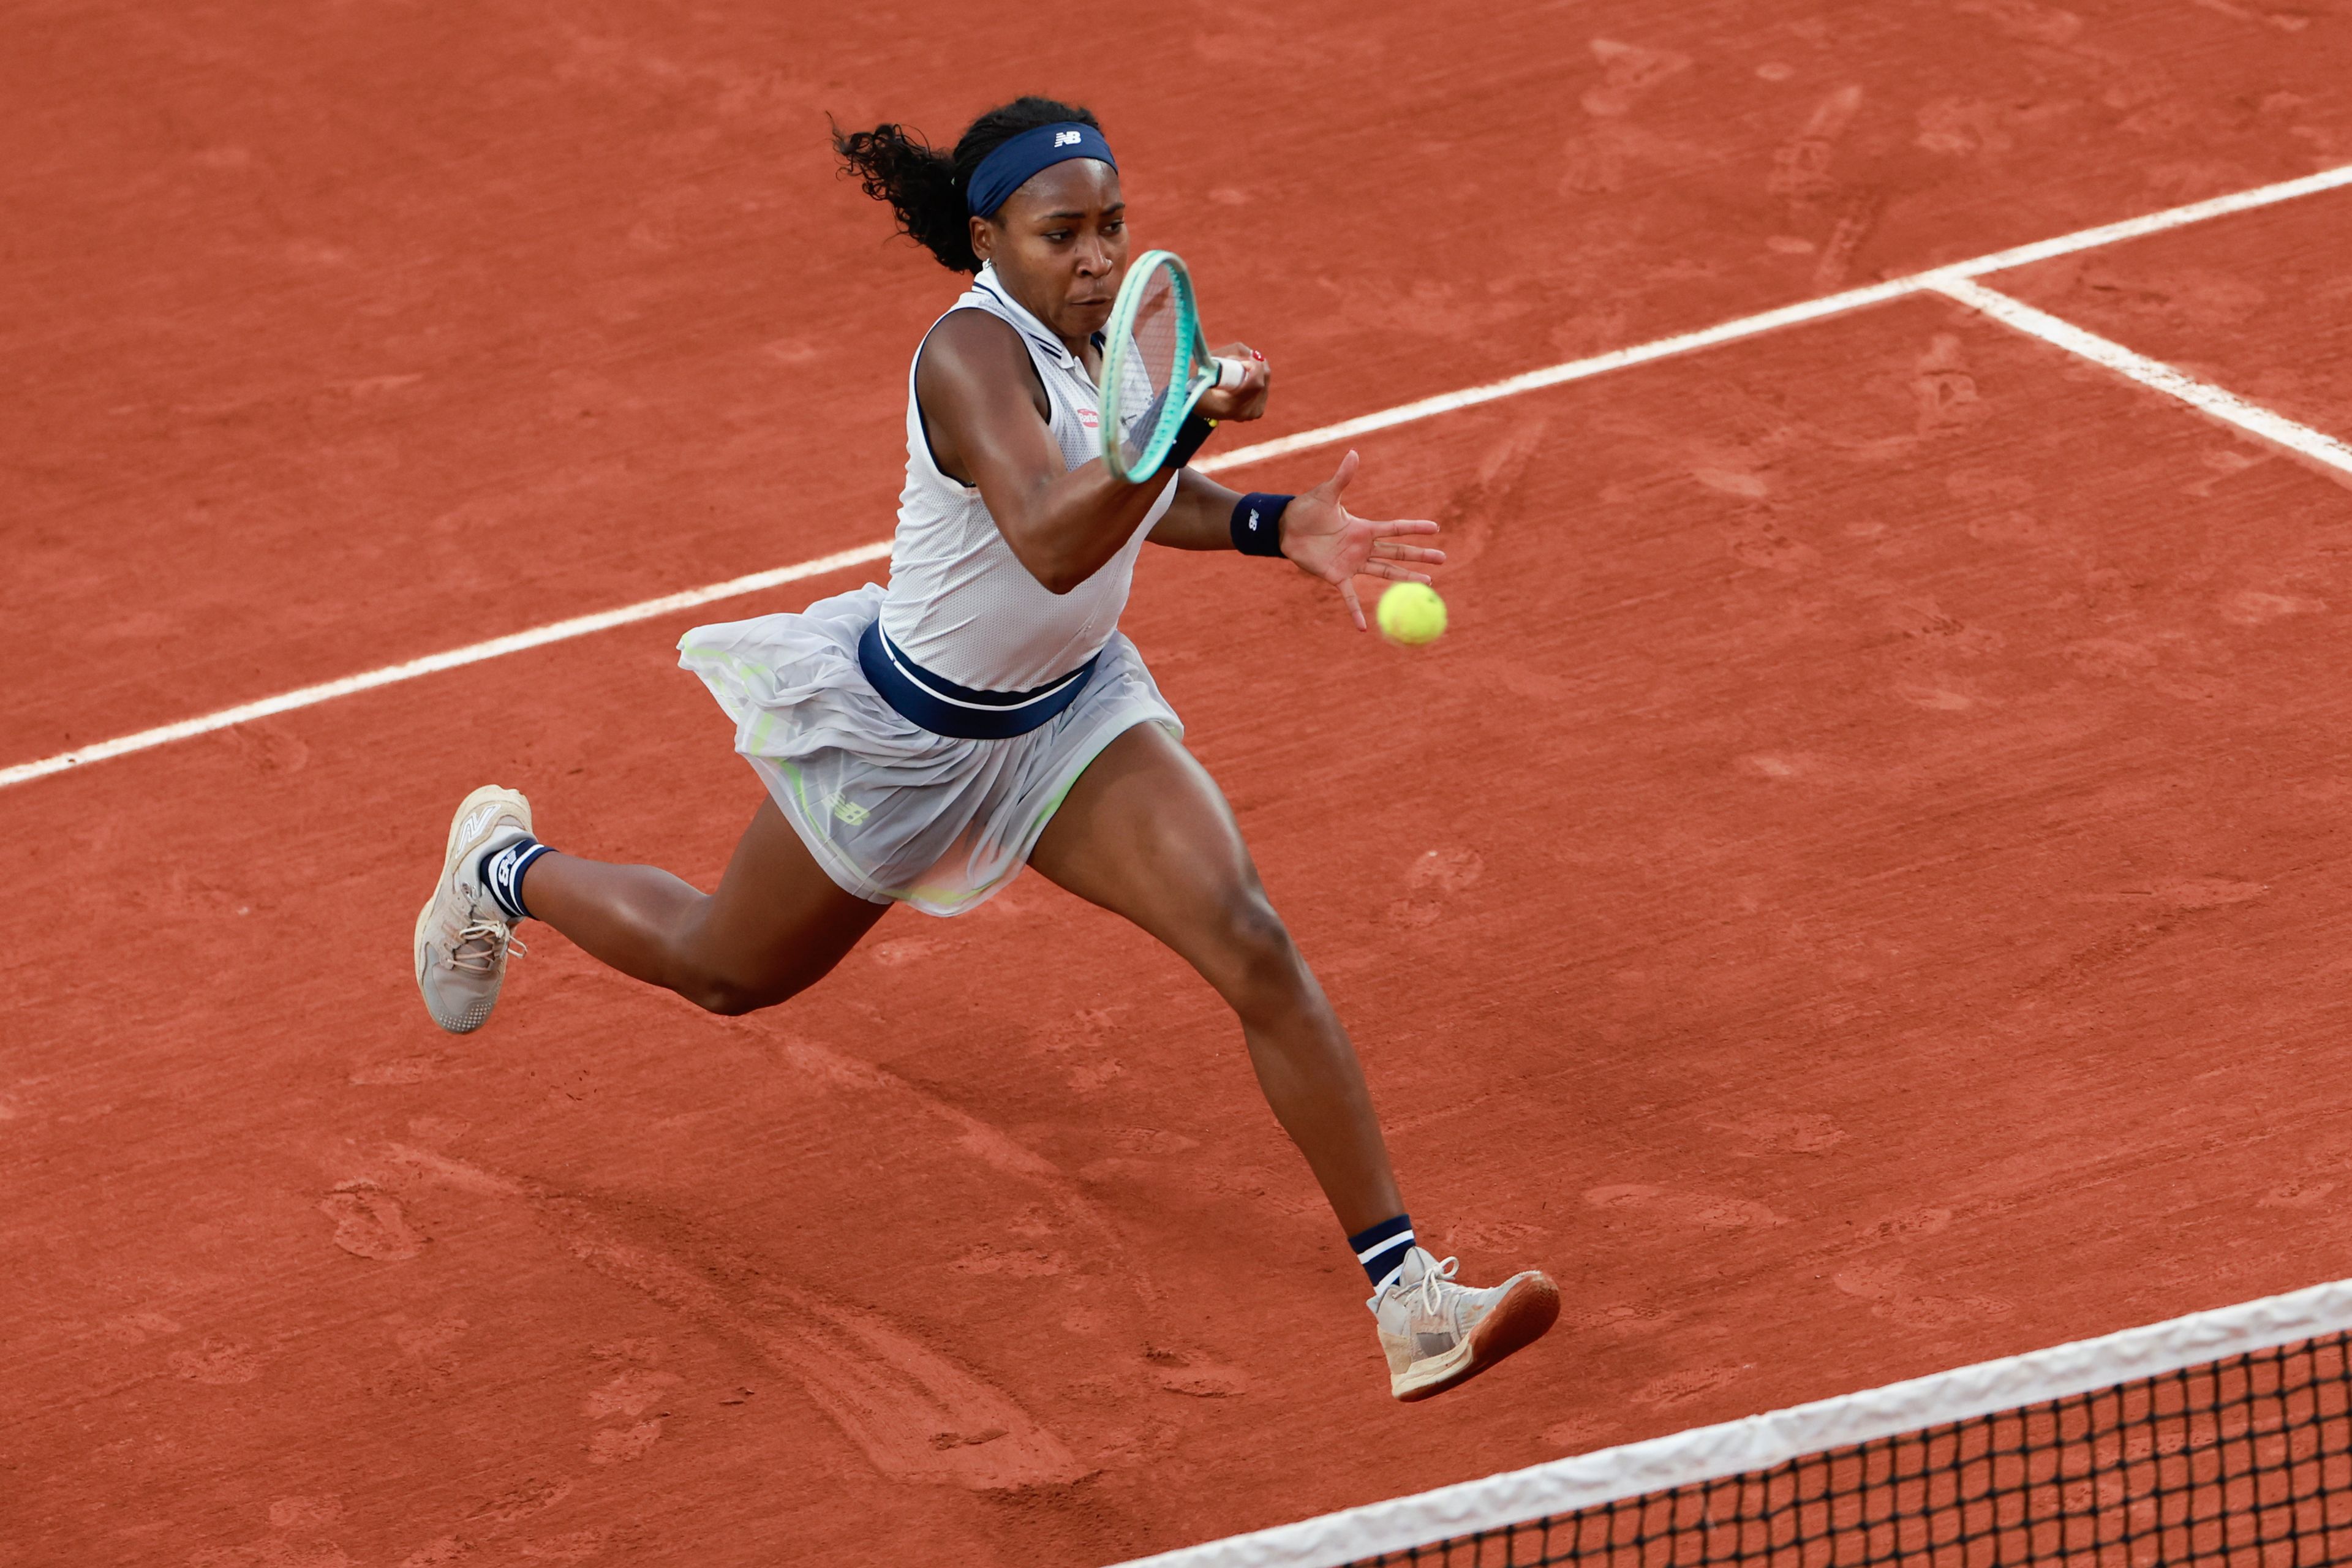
pixel 960 603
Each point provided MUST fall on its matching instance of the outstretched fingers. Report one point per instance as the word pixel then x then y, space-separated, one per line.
pixel 1359 546
pixel 1355 605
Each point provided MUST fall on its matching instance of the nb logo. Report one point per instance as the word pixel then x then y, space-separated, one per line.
pixel 1253 520
pixel 475 824
pixel 1067 138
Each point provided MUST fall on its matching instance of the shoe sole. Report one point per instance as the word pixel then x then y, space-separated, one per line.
pixel 454 851
pixel 1529 1307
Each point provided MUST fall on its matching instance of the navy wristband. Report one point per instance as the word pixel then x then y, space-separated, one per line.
pixel 1189 436
pixel 1257 523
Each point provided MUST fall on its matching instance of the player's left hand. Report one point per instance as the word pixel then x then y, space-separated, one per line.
pixel 1246 400
pixel 1328 541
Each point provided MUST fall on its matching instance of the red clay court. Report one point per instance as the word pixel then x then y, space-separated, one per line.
pixel 1859 891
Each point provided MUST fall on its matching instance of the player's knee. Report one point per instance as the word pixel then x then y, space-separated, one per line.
pixel 727 1001
pixel 1264 960
pixel 732 996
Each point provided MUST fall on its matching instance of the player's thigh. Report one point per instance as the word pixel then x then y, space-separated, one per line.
pixel 1146 833
pixel 777 922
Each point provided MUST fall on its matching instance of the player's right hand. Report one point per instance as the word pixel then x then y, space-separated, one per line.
pixel 1246 400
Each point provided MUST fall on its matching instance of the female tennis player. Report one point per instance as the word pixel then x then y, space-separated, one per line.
pixel 921 743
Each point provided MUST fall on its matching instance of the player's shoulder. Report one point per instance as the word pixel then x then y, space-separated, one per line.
pixel 970 339
pixel 974 353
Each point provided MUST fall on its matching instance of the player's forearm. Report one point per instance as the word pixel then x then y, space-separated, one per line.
pixel 1200 518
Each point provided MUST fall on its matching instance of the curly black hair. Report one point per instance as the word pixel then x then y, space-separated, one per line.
pixel 925 187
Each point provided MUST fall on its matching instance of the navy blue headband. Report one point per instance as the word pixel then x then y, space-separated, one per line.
pixel 1011 165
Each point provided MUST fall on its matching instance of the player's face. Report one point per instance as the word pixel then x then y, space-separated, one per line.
pixel 1060 244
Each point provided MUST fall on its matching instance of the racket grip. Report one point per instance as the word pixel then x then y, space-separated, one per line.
pixel 1230 372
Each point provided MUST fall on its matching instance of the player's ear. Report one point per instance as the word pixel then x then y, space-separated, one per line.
pixel 982 238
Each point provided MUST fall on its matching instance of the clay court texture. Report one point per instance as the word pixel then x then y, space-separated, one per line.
pixel 1861 887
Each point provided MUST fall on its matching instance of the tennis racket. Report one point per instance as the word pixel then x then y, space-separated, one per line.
pixel 1156 366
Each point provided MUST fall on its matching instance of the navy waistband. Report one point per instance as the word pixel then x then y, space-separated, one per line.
pixel 945 708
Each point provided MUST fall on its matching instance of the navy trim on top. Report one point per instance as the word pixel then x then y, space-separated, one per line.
pixel 914 375
pixel 1055 346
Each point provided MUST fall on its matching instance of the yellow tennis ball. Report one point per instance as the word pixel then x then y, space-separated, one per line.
pixel 1411 613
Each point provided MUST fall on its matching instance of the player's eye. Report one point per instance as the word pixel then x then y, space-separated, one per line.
pixel 1115 225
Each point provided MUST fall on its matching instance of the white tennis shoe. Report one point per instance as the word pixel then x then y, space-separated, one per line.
pixel 462 935
pixel 1438 1333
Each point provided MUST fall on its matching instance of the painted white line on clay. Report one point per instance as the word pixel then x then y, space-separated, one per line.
pixel 2253 418
pixel 433 664
pixel 1788 316
pixel 1943 280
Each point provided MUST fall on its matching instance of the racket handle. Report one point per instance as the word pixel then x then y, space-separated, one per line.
pixel 1230 372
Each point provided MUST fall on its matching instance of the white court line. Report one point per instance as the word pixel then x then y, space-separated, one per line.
pixel 1346 429
pixel 2296 440
pixel 430 664
pixel 1791 315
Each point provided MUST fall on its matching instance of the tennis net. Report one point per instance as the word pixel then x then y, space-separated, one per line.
pixel 2221 1438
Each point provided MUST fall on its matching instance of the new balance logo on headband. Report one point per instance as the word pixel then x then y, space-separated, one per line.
pixel 1011 163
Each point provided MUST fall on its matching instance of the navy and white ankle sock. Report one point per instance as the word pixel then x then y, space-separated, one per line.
pixel 1382 1250
pixel 502 870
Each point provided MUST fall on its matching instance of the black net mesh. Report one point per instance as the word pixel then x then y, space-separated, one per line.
pixel 2244 1462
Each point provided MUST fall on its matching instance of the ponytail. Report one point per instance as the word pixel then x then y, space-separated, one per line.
pixel 925 187
pixel 919 185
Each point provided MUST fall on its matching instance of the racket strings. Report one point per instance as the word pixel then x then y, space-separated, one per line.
pixel 1159 345
pixel 1152 374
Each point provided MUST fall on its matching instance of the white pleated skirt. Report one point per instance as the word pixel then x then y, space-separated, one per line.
pixel 891 811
